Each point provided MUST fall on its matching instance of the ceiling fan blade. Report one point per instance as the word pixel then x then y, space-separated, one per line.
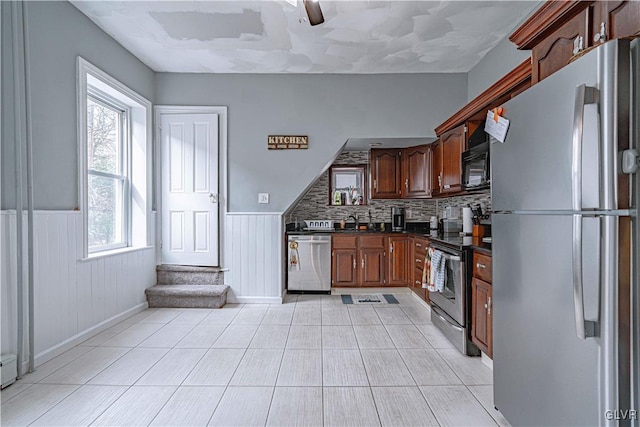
pixel 313 12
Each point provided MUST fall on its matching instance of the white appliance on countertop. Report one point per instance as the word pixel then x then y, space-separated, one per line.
pixel 309 263
pixel 565 251
pixel 319 224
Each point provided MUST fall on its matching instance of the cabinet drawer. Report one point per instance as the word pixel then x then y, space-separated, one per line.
pixel 420 248
pixel 345 241
pixel 482 266
pixel 373 242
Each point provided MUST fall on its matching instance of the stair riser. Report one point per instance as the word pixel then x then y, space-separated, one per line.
pixel 186 302
pixel 189 278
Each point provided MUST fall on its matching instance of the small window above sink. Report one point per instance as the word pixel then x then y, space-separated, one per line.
pixel 347 185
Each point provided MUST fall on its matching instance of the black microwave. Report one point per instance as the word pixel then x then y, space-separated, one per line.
pixel 476 170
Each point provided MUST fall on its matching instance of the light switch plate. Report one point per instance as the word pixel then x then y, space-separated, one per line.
pixel 263 197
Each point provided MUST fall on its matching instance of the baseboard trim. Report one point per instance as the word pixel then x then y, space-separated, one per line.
pixel 58 349
pixel 253 300
pixel 423 302
pixel 486 360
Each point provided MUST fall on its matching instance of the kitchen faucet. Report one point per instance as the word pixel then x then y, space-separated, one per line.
pixel 355 218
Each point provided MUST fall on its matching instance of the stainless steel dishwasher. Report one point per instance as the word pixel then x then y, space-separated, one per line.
pixel 309 263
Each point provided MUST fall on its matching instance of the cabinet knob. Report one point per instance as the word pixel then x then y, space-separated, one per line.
pixel 578 45
pixel 418 282
pixel 489 305
pixel 406 182
pixel 418 260
pixel 602 35
pixel 480 265
pixel 418 245
pixel 354 263
pixel 362 262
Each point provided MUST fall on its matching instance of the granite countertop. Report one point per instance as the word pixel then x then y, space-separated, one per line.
pixel 413 229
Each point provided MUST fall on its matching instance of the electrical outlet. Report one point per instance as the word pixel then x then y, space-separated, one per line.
pixel 263 197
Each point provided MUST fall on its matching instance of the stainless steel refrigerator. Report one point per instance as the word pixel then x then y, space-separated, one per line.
pixel 565 246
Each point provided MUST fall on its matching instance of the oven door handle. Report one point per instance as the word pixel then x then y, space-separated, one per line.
pixel 447 255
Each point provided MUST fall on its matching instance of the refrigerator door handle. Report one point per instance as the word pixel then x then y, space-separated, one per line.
pixel 584 328
pixel 584 95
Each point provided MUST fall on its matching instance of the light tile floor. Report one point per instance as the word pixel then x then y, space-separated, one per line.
pixel 310 361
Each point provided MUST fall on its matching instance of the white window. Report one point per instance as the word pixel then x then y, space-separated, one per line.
pixel 108 173
pixel 114 162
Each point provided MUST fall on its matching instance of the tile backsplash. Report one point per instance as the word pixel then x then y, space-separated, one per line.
pixel 314 204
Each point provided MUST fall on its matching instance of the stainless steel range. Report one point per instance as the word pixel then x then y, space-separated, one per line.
pixel 450 309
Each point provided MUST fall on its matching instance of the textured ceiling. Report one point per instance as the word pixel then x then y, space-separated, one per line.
pixel 272 36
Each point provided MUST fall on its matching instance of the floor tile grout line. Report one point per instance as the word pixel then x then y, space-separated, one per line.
pixel 481 405
pixel 273 392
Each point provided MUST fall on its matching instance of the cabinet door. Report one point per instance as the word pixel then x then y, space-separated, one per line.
pixel 398 261
pixel 416 171
pixel 620 18
pixel 481 317
pixel 555 50
pixel 385 174
pixel 344 267
pixel 371 267
pixel 453 143
pixel 436 169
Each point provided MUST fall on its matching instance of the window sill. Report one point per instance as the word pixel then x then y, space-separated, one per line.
pixel 114 252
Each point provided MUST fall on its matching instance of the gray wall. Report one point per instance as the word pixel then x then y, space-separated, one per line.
pixel 328 108
pixel 498 62
pixel 58 32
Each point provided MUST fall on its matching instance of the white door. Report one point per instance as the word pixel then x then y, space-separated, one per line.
pixel 189 189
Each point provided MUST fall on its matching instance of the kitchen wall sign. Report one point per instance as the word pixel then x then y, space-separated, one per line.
pixel 287 142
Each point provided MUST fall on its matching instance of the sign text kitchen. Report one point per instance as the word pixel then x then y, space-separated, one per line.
pixel 287 142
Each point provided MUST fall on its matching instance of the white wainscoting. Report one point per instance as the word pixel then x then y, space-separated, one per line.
pixel 74 298
pixel 253 255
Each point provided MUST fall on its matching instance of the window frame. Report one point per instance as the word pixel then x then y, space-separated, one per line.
pixel 136 137
pixel 124 142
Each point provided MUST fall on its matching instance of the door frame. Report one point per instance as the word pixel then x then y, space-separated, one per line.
pixel 223 172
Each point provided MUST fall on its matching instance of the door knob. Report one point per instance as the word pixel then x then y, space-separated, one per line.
pixel 213 198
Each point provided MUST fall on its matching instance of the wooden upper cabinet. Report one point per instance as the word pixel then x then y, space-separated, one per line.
pixel 620 18
pixel 556 49
pixel 436 169
pixel 386 174
pixel 551 30
pixel 452 144
pixel 416 171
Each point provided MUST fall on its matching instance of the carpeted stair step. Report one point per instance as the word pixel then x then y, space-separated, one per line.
pixel 188 275
pixel 187 296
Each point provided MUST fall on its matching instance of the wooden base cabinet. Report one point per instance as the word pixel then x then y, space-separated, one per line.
pixel 358 260
pixel 418 253
pixel 398 260
pixel 481 317
pixel 481 304
pixel 372 261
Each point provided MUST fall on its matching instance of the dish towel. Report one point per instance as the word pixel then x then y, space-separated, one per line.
pixel 436 276
pixel 426 271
